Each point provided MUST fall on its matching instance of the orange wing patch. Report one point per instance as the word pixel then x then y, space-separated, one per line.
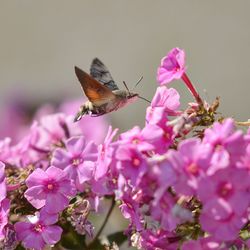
pixel 97 93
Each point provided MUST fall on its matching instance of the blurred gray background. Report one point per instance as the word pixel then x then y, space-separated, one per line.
pixel 41 41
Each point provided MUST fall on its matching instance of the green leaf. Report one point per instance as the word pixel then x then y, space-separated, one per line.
pixel 96 245
pixel 72 240
pixel 117 237
pixel 20 247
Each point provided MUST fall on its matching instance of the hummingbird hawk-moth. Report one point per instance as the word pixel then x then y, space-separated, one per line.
pixel 102 92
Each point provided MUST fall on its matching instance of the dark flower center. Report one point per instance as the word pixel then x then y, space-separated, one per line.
pixel 225 189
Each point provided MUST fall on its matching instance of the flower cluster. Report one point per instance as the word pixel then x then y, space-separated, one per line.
pixel 182 181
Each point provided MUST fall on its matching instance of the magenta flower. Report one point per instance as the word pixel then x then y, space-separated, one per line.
pixel 207 243
pixel 158 239
pixel 131 163
pixel 78 159
pixel 51 188
pixel 225 199
pixel 4 213
pixel 172 66
pixel 39 230
pixel 2 182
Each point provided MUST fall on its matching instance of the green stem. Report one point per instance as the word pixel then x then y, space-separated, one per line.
pixel 103 224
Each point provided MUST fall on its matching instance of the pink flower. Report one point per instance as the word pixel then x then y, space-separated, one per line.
pixel 87 123
pixel 51 188
pixel 5 149
pixel 4 213
pixel 39 230
pixel 78 159
pixel 190 162
pixel 172 66
pixel 245 161
pixel 131 163
pixel 225 198
pixel 207 243
pixel 2 182
pixel 228 145
pixel 130 210
pixel 160 240
pixel 10 239
pixel 147 139
pixel 165 102
pixel 50 131
pixel 105 154
pixel 162 210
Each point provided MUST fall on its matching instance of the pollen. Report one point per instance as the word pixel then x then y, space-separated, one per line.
pixel 193 168
pixel 225 189
pixel 166 135
pixel 135 141
pixel 76 161
pixel 136 162
pixel 50 186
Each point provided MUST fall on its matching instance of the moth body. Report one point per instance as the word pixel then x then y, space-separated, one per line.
pixel 102 92
pixel 122 98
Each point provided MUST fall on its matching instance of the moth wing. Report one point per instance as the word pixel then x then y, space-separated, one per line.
pixel 97 93
pixel 100 72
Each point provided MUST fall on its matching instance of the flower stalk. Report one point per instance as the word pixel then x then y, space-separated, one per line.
pixel 191 88
pixel 103 224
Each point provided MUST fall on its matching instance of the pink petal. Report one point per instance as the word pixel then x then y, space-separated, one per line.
pixel 76 145
pixel 36 178
pixel 36 196
pixel 34 241
pixel 52 234
pixel 56 203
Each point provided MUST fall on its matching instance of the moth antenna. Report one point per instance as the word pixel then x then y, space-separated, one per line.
pixel 126 86
pixel 144 99
pixel 140 79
